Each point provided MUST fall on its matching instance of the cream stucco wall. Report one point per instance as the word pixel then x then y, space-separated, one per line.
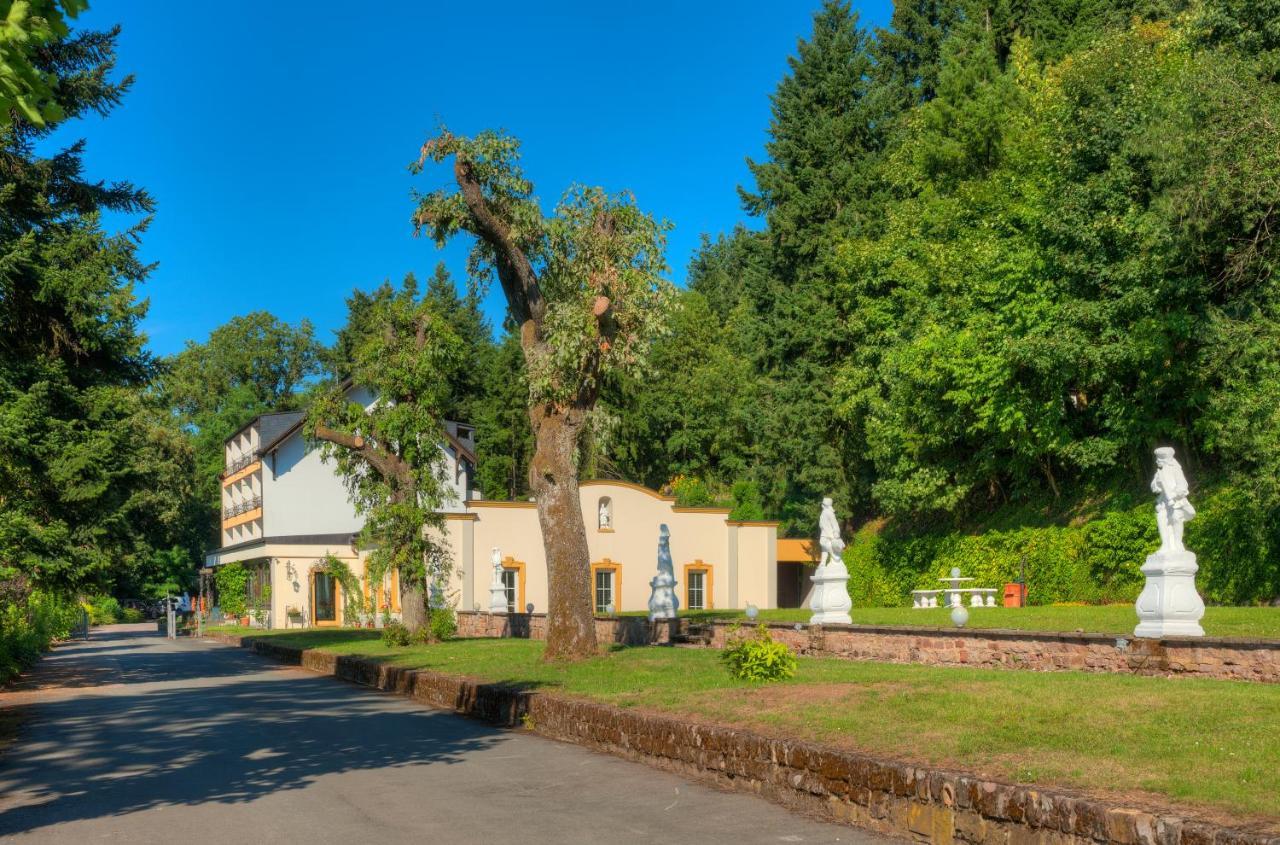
pixel 742 557
pixel 697 535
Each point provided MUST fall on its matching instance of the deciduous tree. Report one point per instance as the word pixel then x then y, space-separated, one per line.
pixel 583 286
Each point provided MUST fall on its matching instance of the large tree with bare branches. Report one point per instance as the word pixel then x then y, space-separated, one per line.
pixel 583 285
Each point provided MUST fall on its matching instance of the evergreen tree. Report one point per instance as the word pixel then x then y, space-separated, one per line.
pixel 91 473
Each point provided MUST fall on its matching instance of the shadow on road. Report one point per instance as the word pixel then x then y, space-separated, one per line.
pixel 231 729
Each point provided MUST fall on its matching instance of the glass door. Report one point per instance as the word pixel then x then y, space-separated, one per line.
pixel 324 600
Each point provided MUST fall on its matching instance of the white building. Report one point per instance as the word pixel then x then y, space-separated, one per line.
pixel 283 504
pixel 285 510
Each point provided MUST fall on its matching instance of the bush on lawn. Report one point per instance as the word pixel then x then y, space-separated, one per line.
pixel 395 635
pixel 444 623
pixel 757 657
pixel 132 615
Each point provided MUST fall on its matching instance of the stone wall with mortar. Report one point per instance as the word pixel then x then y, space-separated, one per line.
pixel 1205 657
pixel 926 805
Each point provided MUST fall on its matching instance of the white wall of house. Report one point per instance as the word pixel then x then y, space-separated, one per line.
pixel 303 494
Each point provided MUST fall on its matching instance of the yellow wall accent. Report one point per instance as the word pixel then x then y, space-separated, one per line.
pixel 241 473
pixel 241 519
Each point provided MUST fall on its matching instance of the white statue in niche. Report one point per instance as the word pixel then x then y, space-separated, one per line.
pixel 606 515
pixel 1169 604
pixel 663 601
pixel 830 601
pixel 1173 509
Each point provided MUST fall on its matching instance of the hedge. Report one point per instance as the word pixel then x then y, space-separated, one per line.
pixel 1094 562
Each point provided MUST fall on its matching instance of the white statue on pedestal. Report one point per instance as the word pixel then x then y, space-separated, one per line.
pixel 1169 604
pixel 830 602
pixel 497 589
pixel 663 601
pixel 606 518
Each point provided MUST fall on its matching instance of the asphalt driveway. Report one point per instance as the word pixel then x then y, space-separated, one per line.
pixel 129 737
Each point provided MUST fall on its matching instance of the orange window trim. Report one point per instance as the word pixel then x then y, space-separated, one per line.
pixel 337 602
pixel 616 569
pixel 518 567
pixel 708 580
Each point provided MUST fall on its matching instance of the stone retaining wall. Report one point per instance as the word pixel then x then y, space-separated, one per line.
pixel 1205 657
pixel 926 805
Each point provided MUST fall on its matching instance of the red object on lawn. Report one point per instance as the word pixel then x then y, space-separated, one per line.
pixel 1015 595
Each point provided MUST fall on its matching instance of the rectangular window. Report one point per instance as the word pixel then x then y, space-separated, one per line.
pixel 604 590
pixel 697 587
pixel 511 583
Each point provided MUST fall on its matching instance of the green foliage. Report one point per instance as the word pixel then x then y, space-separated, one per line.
pixel 748 502
pixel 132 615
pixel 28 625
pixel 691 492
pixel 104 610
pixel 384 429
pixel 1093 559
pixel 28 86
pixel 756 657
pixel 595 249
pixel 444 623
pixel 95 472
pixel 232 580
pixel 396 635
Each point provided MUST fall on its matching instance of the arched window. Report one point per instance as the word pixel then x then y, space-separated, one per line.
pixel 604 514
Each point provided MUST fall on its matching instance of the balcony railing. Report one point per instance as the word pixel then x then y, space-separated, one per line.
pixel 243 507
pixel 240 463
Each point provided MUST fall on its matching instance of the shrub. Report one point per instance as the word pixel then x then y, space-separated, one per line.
pixel 748 501
pixel 756 657
pixel 444 623
pixel 131 615
pixel 28 626
pixel 691 492
pixel 395 635
pixel 104 610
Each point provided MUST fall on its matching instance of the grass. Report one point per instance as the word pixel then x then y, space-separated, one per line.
pixel 1204 743
pixel 1259 622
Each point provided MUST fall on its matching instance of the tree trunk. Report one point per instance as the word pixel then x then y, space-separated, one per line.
pixel 413 605
pixel 553 476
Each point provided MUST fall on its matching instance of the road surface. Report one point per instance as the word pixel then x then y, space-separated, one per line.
pixel 129 737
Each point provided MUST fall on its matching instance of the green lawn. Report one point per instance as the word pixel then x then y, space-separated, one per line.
pixel 1100 732
pixel 1101 619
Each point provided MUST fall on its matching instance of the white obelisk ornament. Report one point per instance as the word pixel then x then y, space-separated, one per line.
pixel 1169 605
pixel 663 601
pixel 830 602
pixel 497 590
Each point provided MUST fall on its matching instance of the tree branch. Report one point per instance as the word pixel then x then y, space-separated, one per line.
pixel 390 466
pixel 515 272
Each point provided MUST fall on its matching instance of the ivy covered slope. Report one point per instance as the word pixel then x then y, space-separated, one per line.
pixel 1089 552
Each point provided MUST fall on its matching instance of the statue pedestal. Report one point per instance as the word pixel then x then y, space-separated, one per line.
pixel 1169 605
pixel 663 602
pixel 497 598
pixel 830 602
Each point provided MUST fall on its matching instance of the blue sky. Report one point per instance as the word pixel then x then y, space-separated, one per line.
pixel 275 136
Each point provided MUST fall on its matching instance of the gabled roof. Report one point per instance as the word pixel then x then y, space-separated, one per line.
pixel 276 427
